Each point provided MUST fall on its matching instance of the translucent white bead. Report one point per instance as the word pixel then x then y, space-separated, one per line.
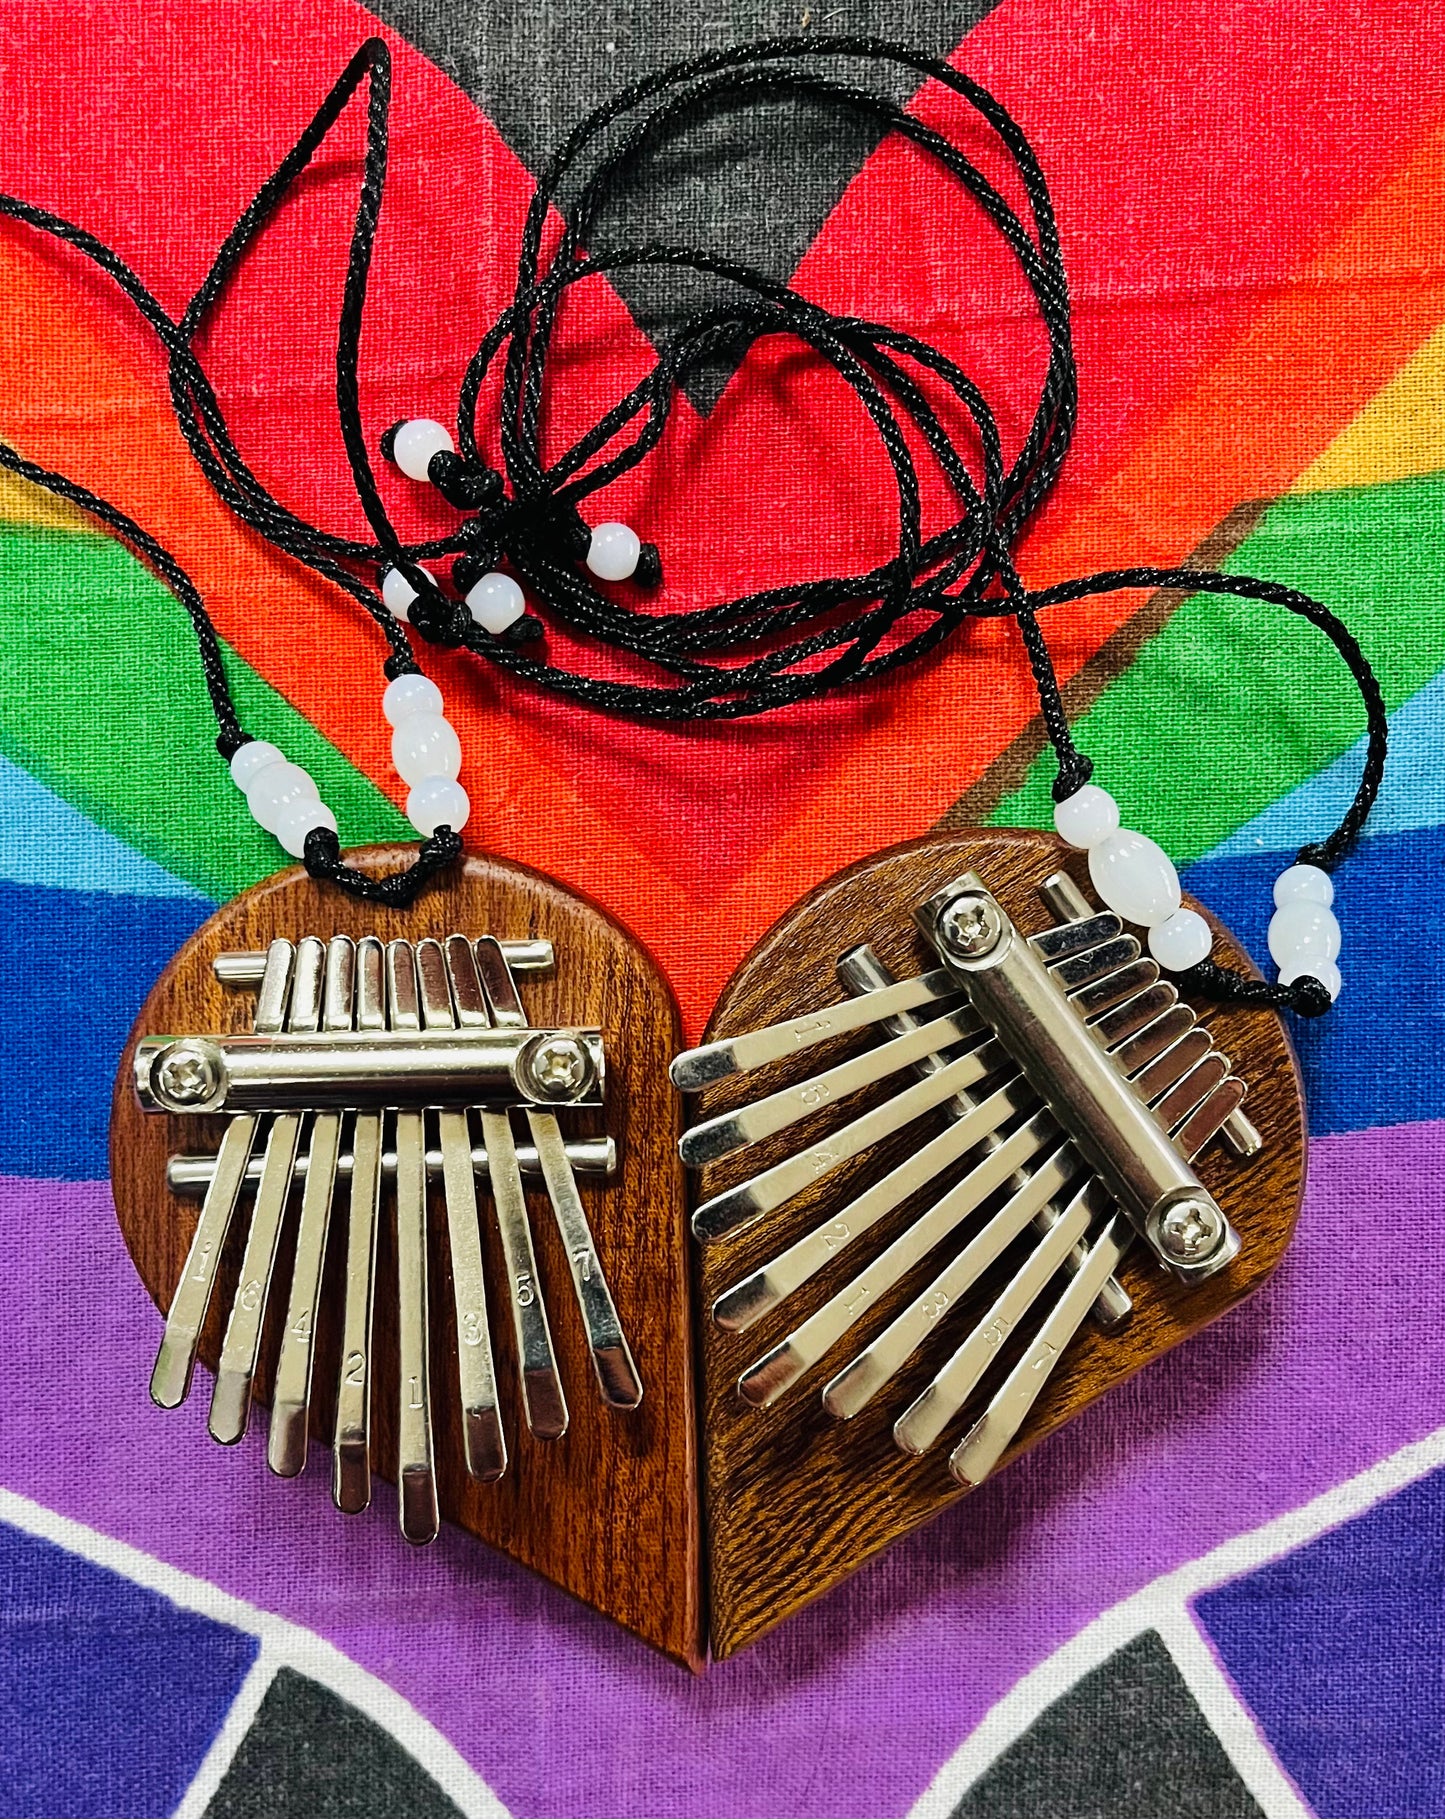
pixel 397 593
pixel 425 745
pixel 496 602
pixel 1303 932
pixel 1181 940
pixel 1135 877
pixel 416 442
pixel 1303 884
pixel 613 552
pixel 276 786
pixel 296 821
pixel 437 802
pixel 1325 971
pixel 409 695
pixel 248 763
pixel 1088 816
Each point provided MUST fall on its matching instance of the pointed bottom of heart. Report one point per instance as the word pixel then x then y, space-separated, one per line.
pixel 696 1520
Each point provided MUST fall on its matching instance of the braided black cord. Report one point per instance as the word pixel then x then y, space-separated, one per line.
pixel 817 635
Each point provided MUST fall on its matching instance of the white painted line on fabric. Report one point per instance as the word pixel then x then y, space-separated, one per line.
pixel 1229 1718
pixel 222 1753
pixel 282 1643
pixel 1154 1604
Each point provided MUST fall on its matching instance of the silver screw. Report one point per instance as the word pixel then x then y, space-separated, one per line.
pixel 187 1076
pixel 971 925
pixel 558 1067
pixel 1191 1230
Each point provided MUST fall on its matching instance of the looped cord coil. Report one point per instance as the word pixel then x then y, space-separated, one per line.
pixel 762 651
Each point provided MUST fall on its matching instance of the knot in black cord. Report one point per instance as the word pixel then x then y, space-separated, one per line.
pixel 468 484
pixel 539 526
pixel 439 619
pixel 399 890
pixel 1305 996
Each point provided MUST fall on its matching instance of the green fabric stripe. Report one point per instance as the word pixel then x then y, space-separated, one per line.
pixel 101 698
pixel 1235 703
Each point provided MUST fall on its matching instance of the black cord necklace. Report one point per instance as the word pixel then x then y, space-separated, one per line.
pixel 749 656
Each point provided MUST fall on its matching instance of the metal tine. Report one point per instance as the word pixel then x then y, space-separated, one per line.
pixel 1150 1045
pixel 176 1359
pixel 698 1067
pixel 862 970
pixel 1080 971
pixel 923 1421
pixel 1211 1117
pixel 416 1464
pixel 612 1360
pixel 1076 936
pixel 542 1398
pixel 856 1385
pixel 1168 1069
pixel 291 1395
pixel 718 1137
pixel 1190 1093
pixel 747 1202
pixel 1102 994
pixel 446 975
pixel 241 1348
pixel 985 1443
pixel 351 1446
pixel 1134 1014
pixel 762 1383
pixel 747 1301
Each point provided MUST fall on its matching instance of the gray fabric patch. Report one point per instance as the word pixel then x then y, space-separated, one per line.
pixel 310 1755
pixel 754 184
pixel 1126 1741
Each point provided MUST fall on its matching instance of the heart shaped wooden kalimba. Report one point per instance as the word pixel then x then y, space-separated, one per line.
pixel 964 1160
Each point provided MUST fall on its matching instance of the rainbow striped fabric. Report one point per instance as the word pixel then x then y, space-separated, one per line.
pixel 1221 1592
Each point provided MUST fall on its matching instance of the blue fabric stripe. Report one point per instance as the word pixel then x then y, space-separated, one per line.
pixel 79 965
pixel 1379 1056
pixel 110 1695
pixel 44 840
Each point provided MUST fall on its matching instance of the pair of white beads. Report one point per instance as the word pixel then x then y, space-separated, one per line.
pixel 427 754
pixel 1135 877
pixel 281 796
pixel 495 602
pixel 612 554
pixel 1304 936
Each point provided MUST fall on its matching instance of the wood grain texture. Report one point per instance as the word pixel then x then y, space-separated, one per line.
pixel 796 1501
pixel 610 1512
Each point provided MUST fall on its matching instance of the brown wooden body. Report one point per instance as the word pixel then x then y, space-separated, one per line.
pixel 795 1500
pixel 610 1511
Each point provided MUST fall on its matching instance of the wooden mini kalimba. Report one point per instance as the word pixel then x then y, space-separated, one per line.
pixel 362 1076
pixel 1077 1089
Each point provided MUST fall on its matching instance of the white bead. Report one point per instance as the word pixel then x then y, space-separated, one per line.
pixel 252 759
pixel 1135 877
pixel 397 593
pixel 274 787
pixel 416 442
pixel 1303 932
pixel 1303 884
pixel 1325 971
pixel 296 821
pixel 1088 816
pixel 437 802
pixel 496 602
pixel 1181 940
pixel 613 552
pixel 425 745
pixel 408 695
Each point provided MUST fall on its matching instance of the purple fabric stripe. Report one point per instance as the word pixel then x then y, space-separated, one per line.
pixel 850 1708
